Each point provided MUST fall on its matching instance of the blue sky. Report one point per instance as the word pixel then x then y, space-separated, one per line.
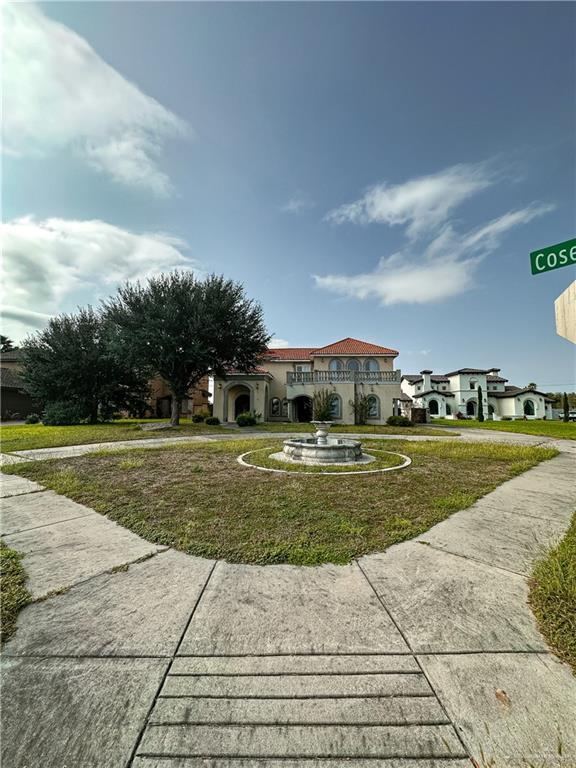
pixel 377 170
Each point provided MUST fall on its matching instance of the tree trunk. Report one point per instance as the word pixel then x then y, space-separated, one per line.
pixel 94 413
pixel 175 416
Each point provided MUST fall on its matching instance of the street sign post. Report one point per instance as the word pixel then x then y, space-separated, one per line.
pixel 553 257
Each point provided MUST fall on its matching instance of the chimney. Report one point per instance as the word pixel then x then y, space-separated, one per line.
pixel 426 382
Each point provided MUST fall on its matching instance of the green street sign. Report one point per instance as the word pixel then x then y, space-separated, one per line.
pixel 553 257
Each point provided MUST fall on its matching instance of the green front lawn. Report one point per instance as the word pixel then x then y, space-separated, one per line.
pixel 29 436
pixel 557 429
pixel 553 596
pixel 197 498
pixel 357 429
pixel 13 593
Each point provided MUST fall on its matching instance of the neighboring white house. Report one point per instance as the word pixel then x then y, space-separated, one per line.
pixel 282 388
pixel 457 392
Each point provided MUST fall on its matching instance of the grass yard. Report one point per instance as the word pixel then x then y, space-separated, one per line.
pixel 556 429
pixel 28 436
pixel 13 594
pixel 366 429
pixel 198 499
pixel 553 596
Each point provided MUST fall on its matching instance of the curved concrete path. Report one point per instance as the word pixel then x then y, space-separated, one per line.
pixel 424 656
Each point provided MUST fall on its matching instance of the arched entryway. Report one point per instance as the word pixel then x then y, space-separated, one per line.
pixel 471 408
pixel 433 407
pixel 302 408
pixel 237 400
pixel 528 408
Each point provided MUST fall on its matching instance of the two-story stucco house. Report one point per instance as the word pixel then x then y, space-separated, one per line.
pixel 283 387
pixel 457 392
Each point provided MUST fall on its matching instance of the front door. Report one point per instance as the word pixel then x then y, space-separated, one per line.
pixel 303 408
pixel 241 405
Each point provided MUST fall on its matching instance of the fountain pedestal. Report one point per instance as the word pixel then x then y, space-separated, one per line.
pixel 322 449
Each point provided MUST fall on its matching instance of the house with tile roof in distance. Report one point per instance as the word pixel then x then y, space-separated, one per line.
pixel 283 386
pixel 456 392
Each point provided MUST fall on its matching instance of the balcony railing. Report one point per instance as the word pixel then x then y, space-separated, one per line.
pixel 347 377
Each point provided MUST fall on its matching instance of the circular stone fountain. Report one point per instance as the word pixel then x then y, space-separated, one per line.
pixel 321 449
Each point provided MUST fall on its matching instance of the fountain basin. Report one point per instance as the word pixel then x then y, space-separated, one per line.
pixel 331 451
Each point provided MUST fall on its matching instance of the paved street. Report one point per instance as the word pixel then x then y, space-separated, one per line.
pixel 419 657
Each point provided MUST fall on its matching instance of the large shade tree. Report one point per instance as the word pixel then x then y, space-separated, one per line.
pixel 77 360
pixel 185 328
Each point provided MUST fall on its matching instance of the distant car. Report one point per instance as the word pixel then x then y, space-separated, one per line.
pixel 571 415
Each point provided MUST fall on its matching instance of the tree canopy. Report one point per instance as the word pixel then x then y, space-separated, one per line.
pixel 184 328
pixel 77 361
pixel 6 344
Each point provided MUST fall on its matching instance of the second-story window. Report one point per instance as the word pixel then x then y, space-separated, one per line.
pixel 353 364
pixel 371 364
pixel 335 365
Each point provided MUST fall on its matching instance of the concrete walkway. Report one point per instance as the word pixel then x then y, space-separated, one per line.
pixel 424 656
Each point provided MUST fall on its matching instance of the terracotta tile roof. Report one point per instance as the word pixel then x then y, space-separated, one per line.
pixel 469 370
pixel 289 353
pixel 433 392
pixel 346 346
pixel 415 378
pixel 350 346
pixel 12 356
pixel 495 379
pixel 512 391
pixel 257 370
pixel 10 379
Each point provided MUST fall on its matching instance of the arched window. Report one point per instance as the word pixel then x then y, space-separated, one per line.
pixel 336 407
pixel 335 365
pixel 275 407
pixel 473 384
pixel 373 407
pixel 528 408
pixel 433 407
pixel 371 364
pixel 353 364
pixel 471 408
pixel 490 410
pixel 448 409
pixel 285 408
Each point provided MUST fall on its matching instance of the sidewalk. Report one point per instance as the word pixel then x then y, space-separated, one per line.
pixel 420 657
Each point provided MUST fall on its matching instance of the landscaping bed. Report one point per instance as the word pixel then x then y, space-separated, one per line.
pixel 198 499
pixel 553 596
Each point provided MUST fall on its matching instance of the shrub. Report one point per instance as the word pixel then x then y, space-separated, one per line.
pixel 212 421
pixel 247 419
pixel 32 418
pixel 480 405
pixel 361 408
pixel 323 404
pixel 398 421
pixel 198 418
pixel 63 414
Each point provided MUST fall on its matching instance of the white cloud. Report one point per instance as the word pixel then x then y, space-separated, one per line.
pixel 444 268
pixel 422 204
pixel 59 94
pixel 276 343
pixel 297 204
pixel 45 263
